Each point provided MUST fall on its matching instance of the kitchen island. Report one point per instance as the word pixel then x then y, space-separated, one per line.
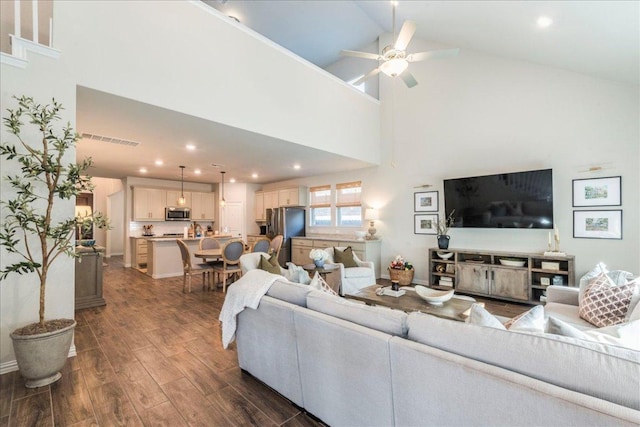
pixel 163 254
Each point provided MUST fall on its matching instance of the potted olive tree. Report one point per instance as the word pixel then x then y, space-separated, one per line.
pixel 30 231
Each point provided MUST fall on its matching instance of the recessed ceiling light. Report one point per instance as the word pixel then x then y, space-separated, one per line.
pixel 544 22
pixel 254 175
pixel 190 147
pixel 197 171
pixel 159 162
pixel 232 180
pixel 143 170
pixel 296 166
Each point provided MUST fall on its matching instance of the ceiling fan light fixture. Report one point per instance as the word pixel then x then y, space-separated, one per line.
pixel 394 67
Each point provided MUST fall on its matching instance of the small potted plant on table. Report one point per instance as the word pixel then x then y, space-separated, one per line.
pixel 31 233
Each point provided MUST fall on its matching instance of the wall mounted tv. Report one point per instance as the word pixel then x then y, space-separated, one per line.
pixel 506 200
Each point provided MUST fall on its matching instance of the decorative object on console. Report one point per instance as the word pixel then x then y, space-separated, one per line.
pixel 597 192
pixel 433 296
pixel 425 224
pixel 598 224
pixel 426 201
pixel 318 256
pixel 444 255
pixel 443 230
pixel 371 215
pixel 401 271
pixel 513 262
pixel 556 249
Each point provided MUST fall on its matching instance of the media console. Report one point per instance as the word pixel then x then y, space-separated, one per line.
pixel 481 272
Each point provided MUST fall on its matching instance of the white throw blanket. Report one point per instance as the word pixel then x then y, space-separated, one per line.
pixel 246 292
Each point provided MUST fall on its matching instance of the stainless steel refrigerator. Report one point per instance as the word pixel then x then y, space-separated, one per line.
pixel 288 221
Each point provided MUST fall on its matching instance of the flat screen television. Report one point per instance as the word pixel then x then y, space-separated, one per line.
pixel 506 200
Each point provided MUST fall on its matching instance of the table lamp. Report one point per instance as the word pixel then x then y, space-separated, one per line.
pixel 372 215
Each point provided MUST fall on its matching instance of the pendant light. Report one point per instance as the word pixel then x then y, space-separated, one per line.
pixel 222 202
pixel 181 199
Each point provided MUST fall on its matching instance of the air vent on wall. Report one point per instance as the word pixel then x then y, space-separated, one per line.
pixel 110 139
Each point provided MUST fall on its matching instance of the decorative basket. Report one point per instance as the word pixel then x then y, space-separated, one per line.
pixel 404 277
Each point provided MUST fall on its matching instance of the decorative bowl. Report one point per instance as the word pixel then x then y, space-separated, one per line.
pixel 360 234
pixel 433 296
pixel 87 242
pixel 512 262
pixel 444 255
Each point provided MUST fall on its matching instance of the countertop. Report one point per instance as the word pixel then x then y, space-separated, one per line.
pixel 336 237
pixel 162 238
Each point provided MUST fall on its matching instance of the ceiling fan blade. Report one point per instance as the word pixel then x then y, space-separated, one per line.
pixel 367 76
pixel 406 32
pixel 357 54
pixel 433 54
pixel 408 79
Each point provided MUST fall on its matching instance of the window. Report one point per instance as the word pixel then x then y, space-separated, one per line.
pixel 348 205
pixel 320 206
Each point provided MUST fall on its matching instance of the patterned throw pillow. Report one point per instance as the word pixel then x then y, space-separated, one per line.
pixel 320 284
pixel 344 257
pixel 604 303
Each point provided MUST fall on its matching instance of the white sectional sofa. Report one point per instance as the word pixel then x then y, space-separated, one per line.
pixel 355 365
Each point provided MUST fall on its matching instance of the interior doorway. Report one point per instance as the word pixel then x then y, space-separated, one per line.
pixel 232 215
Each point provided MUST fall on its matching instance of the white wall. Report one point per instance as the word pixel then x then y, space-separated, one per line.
pixel 208 66
pixel 477 114
pixel 43 79
pixel 115 212
pixel 103 187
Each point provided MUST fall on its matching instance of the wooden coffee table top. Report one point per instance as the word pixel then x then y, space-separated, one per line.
pixel 411 301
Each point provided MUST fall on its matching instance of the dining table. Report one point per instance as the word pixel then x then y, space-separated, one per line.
pixel 206 254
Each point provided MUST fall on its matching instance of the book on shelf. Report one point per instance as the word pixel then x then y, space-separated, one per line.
pixel 448 283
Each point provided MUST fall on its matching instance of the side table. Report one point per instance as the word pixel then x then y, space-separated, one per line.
pixel 324 272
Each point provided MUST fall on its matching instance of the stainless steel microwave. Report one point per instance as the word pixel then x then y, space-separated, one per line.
pixel 177 214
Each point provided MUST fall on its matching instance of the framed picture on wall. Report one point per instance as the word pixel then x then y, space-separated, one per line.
pixel 426 201
pixel 597 192
pixel 597 224
pixel 426 224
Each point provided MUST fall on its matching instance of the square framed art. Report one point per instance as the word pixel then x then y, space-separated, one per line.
pixel 597 192
pixel 426 201
pixel 597 224
pixel 426 224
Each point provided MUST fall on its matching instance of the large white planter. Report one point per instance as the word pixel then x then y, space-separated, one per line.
pixel 41 357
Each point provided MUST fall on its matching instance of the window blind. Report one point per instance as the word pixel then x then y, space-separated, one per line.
pixel 320 196
pixel 349 194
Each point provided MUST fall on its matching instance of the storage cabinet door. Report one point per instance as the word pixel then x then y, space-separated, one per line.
pixel 473 278
pixel 141 204
pixel 510 283
pixel 260 210
pixel 203 206
pixel 172 198
pixel 300 255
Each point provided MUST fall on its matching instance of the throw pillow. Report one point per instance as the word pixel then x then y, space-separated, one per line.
pixel 344 257
pixel 297 274
pixel 604 303
pixel 320 284
pixel 529 321
pixel 266 265
pixel 584 280
pixel 623 335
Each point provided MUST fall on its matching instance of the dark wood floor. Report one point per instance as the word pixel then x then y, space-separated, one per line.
pixel 153 357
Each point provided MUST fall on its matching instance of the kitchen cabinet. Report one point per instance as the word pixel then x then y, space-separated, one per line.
pixel 173 195
pixel 139 258
pixel 295 196
pixel 203 206
pixel 261 214
pixel 270 200
pixel 479 272
pixel 149 204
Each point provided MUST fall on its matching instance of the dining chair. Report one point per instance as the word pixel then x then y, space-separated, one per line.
pixel 209 243
pixel 276 244
pixel 231 253
pixel 262 244
pixel 189 268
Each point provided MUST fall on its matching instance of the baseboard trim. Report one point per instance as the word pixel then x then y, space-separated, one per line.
pixel 12 365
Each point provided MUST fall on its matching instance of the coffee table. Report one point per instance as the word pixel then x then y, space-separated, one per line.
pixel 411 301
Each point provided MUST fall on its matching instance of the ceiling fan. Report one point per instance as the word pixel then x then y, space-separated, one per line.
pixel 395 58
